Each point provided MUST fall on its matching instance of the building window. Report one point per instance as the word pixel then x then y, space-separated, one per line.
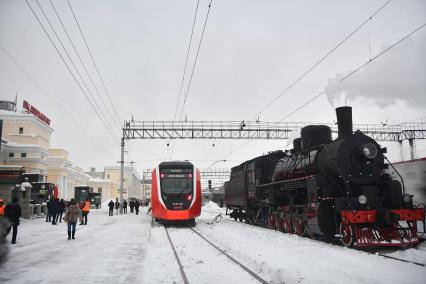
pixel 11 155
pixel 21 130
pixel 23 155
pixel 107 175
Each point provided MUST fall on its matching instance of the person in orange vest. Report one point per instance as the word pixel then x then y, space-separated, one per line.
pixel 2 207
pixel 85 211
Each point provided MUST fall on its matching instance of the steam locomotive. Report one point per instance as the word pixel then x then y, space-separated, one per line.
pixel 326 188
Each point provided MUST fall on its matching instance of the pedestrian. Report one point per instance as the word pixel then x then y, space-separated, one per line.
pixel 49 210
pixel 61 209
pixel 54 208
pixel 2 207
pixel 72 215
pixel 13 212
pixel 97 205
pixel 131 205
pixel 85 211
pixel 117 205
pixel 137 204
pixel 125 206
pixel 111 208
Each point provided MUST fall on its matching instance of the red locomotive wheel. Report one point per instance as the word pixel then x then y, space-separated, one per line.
pixel 299 227
pixel 287 228
pixel 347 235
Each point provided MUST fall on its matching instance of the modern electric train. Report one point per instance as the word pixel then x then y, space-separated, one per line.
pixel 176 192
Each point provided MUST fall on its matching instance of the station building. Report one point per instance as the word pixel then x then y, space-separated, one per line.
pixel 132 181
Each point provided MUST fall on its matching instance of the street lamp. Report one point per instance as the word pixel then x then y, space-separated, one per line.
pixel 216 162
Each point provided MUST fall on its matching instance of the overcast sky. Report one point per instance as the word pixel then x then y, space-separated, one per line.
pixel 251 52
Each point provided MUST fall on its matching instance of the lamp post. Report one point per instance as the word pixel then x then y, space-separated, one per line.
pixel 216 162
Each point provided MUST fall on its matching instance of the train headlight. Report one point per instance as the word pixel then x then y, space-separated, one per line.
pixel 407 198
pixel 369 150
pixel 362 199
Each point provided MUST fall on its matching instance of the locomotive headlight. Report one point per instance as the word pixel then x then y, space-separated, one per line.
pixel 369 150
pixel 362 199
pixel 407 198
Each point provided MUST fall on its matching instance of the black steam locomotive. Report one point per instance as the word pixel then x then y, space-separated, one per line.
pixel 324 188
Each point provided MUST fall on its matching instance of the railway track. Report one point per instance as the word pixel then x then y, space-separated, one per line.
pixel 251 275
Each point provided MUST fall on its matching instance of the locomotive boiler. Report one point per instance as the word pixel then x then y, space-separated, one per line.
pixel 325 188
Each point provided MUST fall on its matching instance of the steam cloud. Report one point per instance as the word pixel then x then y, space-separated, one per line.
pixel 400 74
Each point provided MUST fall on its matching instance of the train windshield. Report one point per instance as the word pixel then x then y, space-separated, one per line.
pixel 176 182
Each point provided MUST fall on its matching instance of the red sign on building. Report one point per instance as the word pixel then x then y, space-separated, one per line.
pixel 36 112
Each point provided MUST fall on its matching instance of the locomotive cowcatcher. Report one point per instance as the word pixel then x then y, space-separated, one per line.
pixel 326 188
pixel 176 192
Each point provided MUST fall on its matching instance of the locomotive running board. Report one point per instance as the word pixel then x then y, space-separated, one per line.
pixel 386 237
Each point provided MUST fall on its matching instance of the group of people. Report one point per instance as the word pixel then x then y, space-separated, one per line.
pixel 133 204
pixel 55 210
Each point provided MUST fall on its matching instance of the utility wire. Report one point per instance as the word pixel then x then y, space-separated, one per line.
pixel 186 60
pixel 105 121
pixel 257 114
pixel 341 80
pixel 320 60
pixel 66 65
pixel 51 97
pixel 356 70
pixel 94 63
pixel 82 63
pixel 195 60
pixel 193 68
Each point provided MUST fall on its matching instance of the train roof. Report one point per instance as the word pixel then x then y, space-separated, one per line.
pixel 176 164
pixel 274 154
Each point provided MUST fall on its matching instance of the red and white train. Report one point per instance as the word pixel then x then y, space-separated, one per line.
pixel 176 192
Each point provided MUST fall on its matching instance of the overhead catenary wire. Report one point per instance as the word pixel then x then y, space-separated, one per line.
pixel 52 98
pixel 94 63
pixel 69 69
pixel 193 69
pixel 99 109
pixel 186 60
pixel 303 75
pixel 82 63
pixel 298 79
pixel 355 70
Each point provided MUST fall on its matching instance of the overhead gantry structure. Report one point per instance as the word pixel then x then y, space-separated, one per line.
pixel 257 130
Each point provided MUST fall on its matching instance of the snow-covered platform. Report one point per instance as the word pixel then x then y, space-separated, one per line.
pixel 126 249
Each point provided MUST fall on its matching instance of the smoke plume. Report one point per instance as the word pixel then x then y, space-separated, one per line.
pixel 399 74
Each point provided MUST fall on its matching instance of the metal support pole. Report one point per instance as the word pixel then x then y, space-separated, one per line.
pixel 411 143
pixel 143 188
pixel 121 175
pixel 401 151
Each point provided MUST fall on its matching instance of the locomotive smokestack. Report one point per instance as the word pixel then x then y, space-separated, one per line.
pixel 344 121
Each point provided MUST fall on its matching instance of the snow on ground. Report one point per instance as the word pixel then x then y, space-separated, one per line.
pixel 126 249
pixel 107 250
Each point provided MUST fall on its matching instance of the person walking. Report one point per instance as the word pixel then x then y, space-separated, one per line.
pixel 72 215
pixel 61 209
pixel 137 204
pixel 117 205
pixel 54 208
pixel 131 205
pixel 97 205
pixel 13 212
pixel 49 210
pixel 2 207
pixel 125 206
pixel 111 208
pixel 85 211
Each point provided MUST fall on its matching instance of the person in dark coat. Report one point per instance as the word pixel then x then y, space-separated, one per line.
pixel 131 205
pixel 61 209
pixel 111 208
pixel 54 210
pixel 117 205
pixel 137 204
pixel 125 206
pixel 49 210
pixel 13 212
